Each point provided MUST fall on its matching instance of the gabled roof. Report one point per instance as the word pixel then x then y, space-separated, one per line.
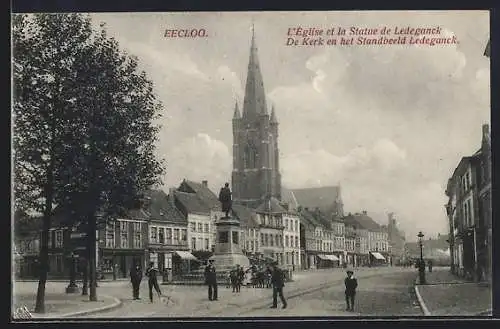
pixel 308 218
pixel 192 203
pixel 245 215
pixel 271 205
pixel 325 198
pixel 362 221
pixel 161 208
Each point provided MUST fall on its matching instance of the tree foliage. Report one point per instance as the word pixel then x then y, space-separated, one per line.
pixel 84 124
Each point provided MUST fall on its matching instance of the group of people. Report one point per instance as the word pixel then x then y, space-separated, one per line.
pixel 237 275
pixel 136 278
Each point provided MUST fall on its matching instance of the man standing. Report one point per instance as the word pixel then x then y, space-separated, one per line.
pixel 278 282
pixel 351 283
pixel 151 273
pixel 211 280
pixel 241 277
pixel 135 279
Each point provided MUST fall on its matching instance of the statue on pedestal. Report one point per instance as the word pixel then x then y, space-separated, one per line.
pixel 225 199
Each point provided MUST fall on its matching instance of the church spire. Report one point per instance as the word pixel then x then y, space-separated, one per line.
pixel 273 116
pixel 255 96
pixel 236 111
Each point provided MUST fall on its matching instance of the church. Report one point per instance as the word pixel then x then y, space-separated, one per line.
pixel 256 176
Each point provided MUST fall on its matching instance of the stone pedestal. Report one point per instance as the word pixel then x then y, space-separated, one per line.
pixel 227 253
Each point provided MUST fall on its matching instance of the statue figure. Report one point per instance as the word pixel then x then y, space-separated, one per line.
pixel 225 199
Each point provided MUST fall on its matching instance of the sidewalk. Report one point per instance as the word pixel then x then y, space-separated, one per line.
pixel 59 304
pixel 448 295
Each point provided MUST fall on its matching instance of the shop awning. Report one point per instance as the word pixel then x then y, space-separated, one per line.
pixel 378 256
pixel 332 258
pixel 186 255
pixel 324 257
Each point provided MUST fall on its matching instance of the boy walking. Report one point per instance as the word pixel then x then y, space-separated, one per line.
pixel 351 283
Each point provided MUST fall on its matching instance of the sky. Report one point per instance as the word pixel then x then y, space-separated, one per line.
pixel 389 124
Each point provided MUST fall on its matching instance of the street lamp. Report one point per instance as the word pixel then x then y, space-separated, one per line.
pixel 421 267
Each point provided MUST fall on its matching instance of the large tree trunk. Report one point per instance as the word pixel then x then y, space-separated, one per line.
pixel 91 238
pixel 44 247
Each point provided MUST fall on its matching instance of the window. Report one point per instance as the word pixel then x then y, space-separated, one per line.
pixel 193 227
pixel 50 239
pixel 161 235
pixel 207 245
pixel 176 235
pixel 266 239
pixel 279 240
pixel 137 235
pixel 206 228
pixel 223 237
pixel 272 240
pixel 470 212
pixel 154 235
pixel 184 235
pixel 262 239
pixel 124 235
pixel 193 243
pixel 200 227
pixel 110 235
pixel 169 236
pixel 252 246
pixel 287 241
pixel 235 238
pixel 59 239
pixel 286 223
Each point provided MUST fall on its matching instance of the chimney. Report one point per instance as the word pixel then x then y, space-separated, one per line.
pixel 204 183
pixel 364 212
pixel 171 196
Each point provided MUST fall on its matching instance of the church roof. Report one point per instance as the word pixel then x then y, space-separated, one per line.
pixel 308 218
pixel 245 215
pixel 271 205
pixel 323 198
pixel 255 96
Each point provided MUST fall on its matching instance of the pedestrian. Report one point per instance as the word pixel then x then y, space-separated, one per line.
pixel 240 275
pixel 278 282
pixel 430 265
pixel 151 273
pixel 234 279
pixel 211 280
pixel 115 272
pixel 135 279
pixel 351 283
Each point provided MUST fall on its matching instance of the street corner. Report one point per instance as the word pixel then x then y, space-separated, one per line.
pixel 63 306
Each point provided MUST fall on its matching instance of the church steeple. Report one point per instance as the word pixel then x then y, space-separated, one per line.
pixel 236 111
pixel 255 96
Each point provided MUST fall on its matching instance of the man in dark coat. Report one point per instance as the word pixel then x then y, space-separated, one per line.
pixel 135 279
pixel 241 277
pixel 233 274
pixel 351 283
pixel 278 282
pixel 225 199
pixel 151 273
pixel 211 280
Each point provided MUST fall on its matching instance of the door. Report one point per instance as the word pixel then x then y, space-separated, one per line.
pixel 123 266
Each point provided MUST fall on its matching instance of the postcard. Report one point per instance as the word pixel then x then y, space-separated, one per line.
pixel 251 164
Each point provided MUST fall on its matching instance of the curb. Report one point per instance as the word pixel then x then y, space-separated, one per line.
pixel 421 302
pixel 116 304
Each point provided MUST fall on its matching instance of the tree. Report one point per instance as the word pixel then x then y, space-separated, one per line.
pixel 104 141
pixel 43 46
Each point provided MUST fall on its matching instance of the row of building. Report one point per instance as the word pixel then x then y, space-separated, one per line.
pixel 469 213
pixel 177 231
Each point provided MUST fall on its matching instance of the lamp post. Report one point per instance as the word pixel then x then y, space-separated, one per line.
pixel 293 260
pixel 421 267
